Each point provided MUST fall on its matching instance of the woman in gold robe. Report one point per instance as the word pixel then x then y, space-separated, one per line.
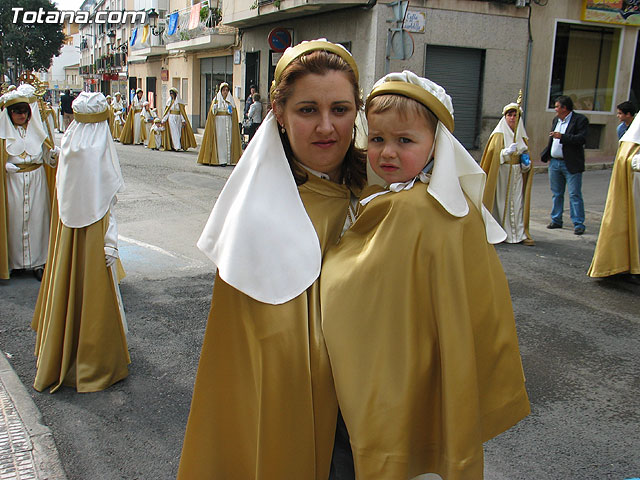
pixel 264 406
pixel 178 134
pixel 132 132
pixel 416 311
pixel 507 194
pixel 27 173
pixel 110 110
pixel 118 109
pixel 79 318
pixel 221 140
pixel 618 247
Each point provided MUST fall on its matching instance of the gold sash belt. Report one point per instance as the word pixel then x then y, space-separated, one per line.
pixel 512 162
pixel 136 110
pixel 174 112
pixel 91 117
pixel 28 167
pixel 227 114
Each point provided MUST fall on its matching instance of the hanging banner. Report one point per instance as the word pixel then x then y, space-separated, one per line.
pixel 173 23
pixel 621 12
pixel 194 19
pixel 134 34
pixel 145 33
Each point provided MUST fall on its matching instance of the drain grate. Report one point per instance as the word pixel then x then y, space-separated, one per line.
pixel 16 457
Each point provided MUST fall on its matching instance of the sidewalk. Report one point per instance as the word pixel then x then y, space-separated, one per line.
pixel 27 449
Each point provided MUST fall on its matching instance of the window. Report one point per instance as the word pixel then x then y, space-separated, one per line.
pixel 584 65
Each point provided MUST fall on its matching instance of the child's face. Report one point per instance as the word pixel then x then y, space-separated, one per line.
pixel 399 146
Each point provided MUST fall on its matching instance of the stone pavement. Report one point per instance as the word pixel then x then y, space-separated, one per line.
pixel 27 449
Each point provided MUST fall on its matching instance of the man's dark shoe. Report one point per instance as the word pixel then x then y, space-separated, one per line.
pixel 553 225
pixel 38 272
pixel 578 231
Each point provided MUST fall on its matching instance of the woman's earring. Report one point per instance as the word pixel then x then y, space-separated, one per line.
pixel 282 129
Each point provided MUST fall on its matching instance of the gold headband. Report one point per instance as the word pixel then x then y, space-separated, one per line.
pixel 416 93
pixel 307 47
pixel 13 101
pixel 91 117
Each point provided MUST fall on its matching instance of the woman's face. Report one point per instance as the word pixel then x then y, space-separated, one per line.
pixel 511 116
pixel 173 94
pixel 319 117
pixel 20 115
pixel 225 91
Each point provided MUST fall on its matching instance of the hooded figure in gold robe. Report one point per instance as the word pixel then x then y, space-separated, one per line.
pixel 117 107
pixel 79 318
pixel 416 311
pixel 178 134
pixel 221 140
pixel 27 175
pixel 264 406
pixel 618 246
pixel 132 132
pixel 506 162
pixel 110 110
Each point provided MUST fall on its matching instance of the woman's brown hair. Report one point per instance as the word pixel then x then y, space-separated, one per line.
pixel 354 169
pixel 21 107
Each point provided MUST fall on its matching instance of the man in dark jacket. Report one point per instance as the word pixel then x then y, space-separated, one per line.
pixel 565 154
pixel 65 106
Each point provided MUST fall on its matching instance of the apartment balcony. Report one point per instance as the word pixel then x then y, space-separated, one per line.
pixel 198 28
pixel 250 13
pixel 149 42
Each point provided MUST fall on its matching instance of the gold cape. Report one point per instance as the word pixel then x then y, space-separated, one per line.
pixel 152 141
pixel 490 163
pixel 264 405
pixel 187 139
pixel 143 128
pixel 617 248
pixel 50 173
pixel 80 339
pixel 111 119
pixel 126 136
pixel 421 336
pixel 208 154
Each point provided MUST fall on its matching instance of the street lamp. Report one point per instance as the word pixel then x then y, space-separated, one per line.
pixel 153 21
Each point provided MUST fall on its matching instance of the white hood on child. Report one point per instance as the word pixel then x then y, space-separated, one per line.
pixel 455 172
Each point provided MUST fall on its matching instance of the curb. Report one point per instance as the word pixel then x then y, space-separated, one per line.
pixel 43 448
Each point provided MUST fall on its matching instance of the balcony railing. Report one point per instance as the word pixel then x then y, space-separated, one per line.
pixel 188 23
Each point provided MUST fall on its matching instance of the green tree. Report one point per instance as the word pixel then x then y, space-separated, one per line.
pixel 32 46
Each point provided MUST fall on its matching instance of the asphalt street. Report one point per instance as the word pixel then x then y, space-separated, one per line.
pixel 580 339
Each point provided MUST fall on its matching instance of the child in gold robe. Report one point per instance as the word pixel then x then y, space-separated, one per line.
pixel 416 311
pixel 155 135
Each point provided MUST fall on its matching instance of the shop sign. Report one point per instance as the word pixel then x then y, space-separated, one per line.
pixel 415 21
pixel 622 12
pixel 164 75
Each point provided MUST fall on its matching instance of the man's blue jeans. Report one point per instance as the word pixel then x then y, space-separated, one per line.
pixel 559 176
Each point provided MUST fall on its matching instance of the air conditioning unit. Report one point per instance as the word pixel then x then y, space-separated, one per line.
pixel 521 3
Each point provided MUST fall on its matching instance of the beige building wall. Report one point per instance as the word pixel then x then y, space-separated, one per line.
pixel 538 115
pixel 501 30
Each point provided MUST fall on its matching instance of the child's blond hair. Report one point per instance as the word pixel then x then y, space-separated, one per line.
pixel 403 105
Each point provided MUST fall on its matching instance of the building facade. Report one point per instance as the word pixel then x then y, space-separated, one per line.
pixel 484 52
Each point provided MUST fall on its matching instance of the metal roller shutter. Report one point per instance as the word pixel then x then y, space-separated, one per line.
pixel 459 71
